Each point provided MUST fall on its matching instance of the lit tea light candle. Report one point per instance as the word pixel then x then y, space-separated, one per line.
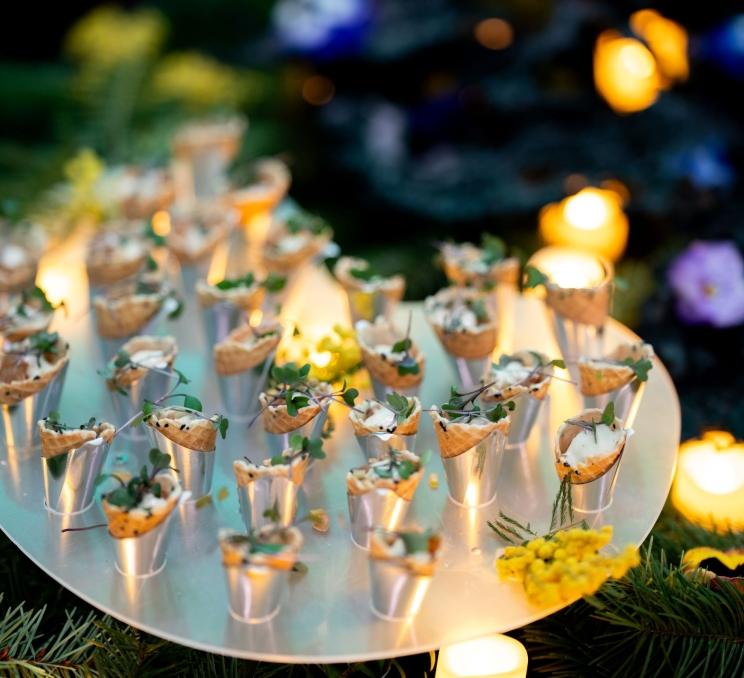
pixel 493 656
pixel 709 486
pixel 592 219
pixel 569 268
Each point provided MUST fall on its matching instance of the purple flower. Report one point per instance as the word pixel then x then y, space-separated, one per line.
pixel 708 281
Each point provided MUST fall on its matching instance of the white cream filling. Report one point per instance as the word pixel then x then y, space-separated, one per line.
pixel 292 243
pixel 36 365
pixel 387 351
pixel 149 358
pixel 512 373
pixel 379 417
pixel 12 256
pixel 454 318
pixel 151 502
pixel 583 447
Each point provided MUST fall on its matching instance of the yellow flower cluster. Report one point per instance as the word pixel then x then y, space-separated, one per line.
pixel 332 357
pixel 199 81
pixel 566 565
pixel 108 36
pixel 82 172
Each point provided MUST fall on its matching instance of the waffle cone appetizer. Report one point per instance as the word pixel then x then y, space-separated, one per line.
pixel 364 479
pixel 195 237
pixel 463 322
pixel 237 549
pixel 124 377
pixel 389 546
pixel 604 375
pixel 294 469
pixel 392 286
pixel 455 437
pixel 59 441
pixel 245 347
pixel 116 254
pixel 464 266
pixel 273 180
pixel 276 419
pixel 376 341
pixel 602 455
pixel 589 306
pixel 534 383
pixel 248 298
pixel 186 428
pixel 359 418
pixel 24 374
pixel 20 318
pixel 283 262
pixel 18 263
pixel 133 522
pixel 126 313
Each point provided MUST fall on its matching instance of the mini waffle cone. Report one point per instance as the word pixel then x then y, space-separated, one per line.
pixel 405 489
pixel 246 473
pixel 468 344
pixel 286 262
pixel 123 523
pixel 380 550
pixel 387 373
pixel 455 438
pixel 216 234
pixel 13 392
pixel 107 272
pixel 408 428
pixel 17 278
pixel 505 271
pixel 597 377
pixel 53 443
pixel 595 466
pixel 277 420
pixel 125 316
pixel 126 376
pixel 235 354
pixel 537 390
pixel 247 298
pixel 392 286
pixel 198 434
pixel 589 306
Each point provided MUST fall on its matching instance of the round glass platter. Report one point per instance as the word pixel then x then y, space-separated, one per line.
pixel 326 616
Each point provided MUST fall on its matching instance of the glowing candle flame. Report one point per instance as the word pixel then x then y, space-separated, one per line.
pixel 487 657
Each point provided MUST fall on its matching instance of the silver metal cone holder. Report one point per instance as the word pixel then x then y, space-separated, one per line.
pixel 395 591
pixel 576 340
pixel 195 468
pixel 472 476
pixel 145 555
pixel 368 304
pixel 627 400
pixel 255 592
pixel 70 478
pixel 278 442
pixel 240 391
pixel 265 494
pixel 523 418
pixel 377 445
pixel 381 391
pixel 151 386
pixel 220 319
pixel 380 507
pixel 469 371
pixel 18 422
pixel 596 495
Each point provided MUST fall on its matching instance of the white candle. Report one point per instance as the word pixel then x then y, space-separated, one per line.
pixel 494 656
pixel 570 268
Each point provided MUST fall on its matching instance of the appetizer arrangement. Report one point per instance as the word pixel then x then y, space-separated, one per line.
pixel 495 401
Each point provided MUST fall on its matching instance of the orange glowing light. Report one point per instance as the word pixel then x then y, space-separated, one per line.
pixel 667 40
pixel 494 33
pixel 625 73
pixel 161 223
pixel 318 90
pixel 709 485
pixel 592 219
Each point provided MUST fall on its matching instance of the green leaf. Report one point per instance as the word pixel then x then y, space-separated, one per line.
pixel 350 395
pixel 57 464
pixel 402 346
pixel 608 415
pixel 121 359
pixel 406 468
pixel 274 283
pixel 231 283
pixel 365 274
pixel 223 426
pixel 494 249
pixel 147 408
pixel 121 497
pixel 315 448
pixel 278 460
pixel 640 367
pixel 182 378
pixel 192 403
pixel 533 277
pixel 295 441
pixel 178 310
pixel 558 363
pixel 408 366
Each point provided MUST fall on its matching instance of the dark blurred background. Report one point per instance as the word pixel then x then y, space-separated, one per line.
pixel 411 121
